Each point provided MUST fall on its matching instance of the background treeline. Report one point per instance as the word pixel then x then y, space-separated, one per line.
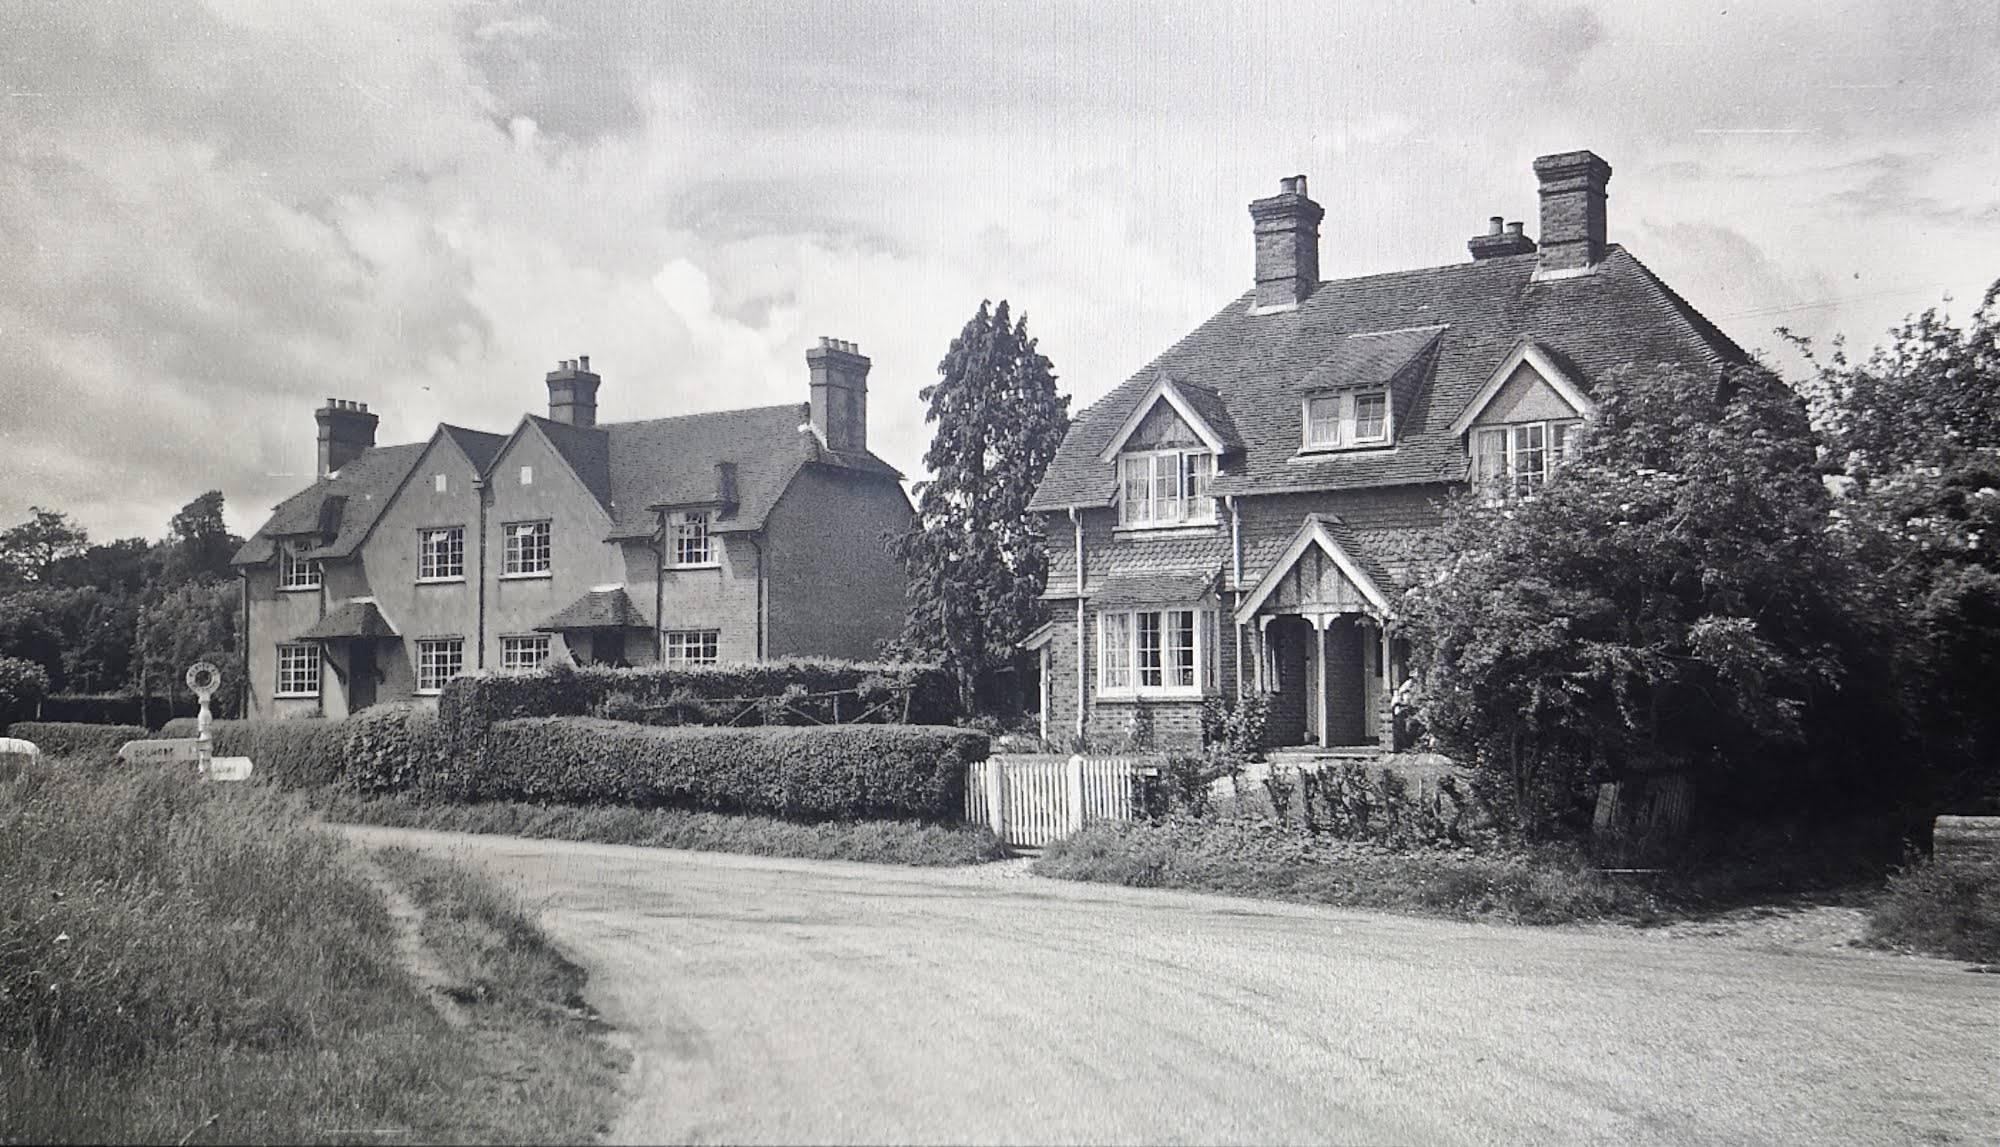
pixel 118 620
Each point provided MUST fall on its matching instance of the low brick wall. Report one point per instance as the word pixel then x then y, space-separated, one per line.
pixel 1966 840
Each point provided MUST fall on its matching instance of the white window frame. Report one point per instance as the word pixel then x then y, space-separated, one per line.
pixel 294 572
pixel 525 549
pixel 1175 482
pixel 521 651
pixel 441 554
pixel 1512 476
pixel 1136 653
pixel 439 659
pixel 690 647
pixel 692 545
pixel 298 668
pixel 1339 428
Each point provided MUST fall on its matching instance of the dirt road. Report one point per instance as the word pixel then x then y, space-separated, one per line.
pixel 790 1001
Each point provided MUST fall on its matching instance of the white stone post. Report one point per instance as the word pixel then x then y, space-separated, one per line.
pixel 1319 621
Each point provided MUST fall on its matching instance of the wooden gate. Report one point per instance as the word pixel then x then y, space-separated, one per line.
pixel 1032 800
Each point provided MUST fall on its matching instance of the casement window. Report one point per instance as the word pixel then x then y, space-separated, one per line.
pixel 1165 488
pixel 526 549
pixel 295 572
pixel 441 554
pixel 1515 460
pixel 692 646
pixel 439 659
pixel 1349 418
pixel 1150 653
pixel 692 545
pixel 298 670
pixel 525 652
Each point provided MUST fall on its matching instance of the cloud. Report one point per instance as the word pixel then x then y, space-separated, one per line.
pixel 215 215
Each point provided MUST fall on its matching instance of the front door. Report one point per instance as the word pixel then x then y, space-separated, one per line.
pixel 360 674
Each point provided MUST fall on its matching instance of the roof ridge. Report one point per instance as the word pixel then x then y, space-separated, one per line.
pixel 702 414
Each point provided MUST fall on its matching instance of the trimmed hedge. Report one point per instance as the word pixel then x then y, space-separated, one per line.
pixel 115 708
pixel 304 752
pixel 792 692
pixel 77 740
pixel 833 772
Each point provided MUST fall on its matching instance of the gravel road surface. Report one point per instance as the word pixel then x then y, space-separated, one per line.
pixel 776 1001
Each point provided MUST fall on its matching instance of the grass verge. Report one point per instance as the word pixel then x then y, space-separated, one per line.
pixel 874 841
pixel 1246 856
pixel 186 963
pixel 1947 910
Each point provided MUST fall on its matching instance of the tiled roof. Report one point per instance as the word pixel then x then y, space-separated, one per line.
pixel 1261 365
pixel 367 483
pixel 671 461
pixel 628 466
pixel 355 619
pixel 1152 589
pixel 1204 552
pixel 598 609
pixel 1208 405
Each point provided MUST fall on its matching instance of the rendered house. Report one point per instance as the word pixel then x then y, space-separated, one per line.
pixel 1244 512
pixel 734 536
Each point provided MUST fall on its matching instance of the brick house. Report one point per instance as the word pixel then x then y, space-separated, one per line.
pixel 735 536
pixel 1243 513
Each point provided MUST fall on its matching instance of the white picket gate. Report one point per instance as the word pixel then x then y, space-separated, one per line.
pixel 1032 800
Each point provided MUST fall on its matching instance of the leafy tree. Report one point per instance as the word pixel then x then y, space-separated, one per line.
pixel 975 563
pixel 32 549
pixel 123 566
pixel 1674 601
pixel 199 543
pixel 189 623
pixel 1914 446
pixel 23 684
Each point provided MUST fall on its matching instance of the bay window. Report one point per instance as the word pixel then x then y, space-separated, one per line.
pixel 1165 488
pixel 1150 653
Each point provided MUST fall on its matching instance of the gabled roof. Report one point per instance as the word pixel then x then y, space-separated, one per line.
pixel 1329 534
pixel 1259 365
pixel 609 608
pixel 367 483
pixel 629 467
pixel 354 619
pixel 1544 365
pixel 1200 408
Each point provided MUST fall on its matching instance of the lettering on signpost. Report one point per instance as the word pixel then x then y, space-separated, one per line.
pixel 166 751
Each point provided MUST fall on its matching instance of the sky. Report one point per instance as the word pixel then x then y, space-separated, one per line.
pixel 216 214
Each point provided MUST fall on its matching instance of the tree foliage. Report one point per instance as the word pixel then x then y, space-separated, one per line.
pixel 23 684
pixel 1673 601
pixel 1913 435
pixel 975 563
pixel 31 550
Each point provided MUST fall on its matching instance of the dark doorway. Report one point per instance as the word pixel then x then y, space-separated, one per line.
pixel 361 675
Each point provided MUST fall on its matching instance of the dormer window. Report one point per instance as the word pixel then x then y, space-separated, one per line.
pixel 1346 419
pixel 1165 488
pixel 1515 460
pixel 295 572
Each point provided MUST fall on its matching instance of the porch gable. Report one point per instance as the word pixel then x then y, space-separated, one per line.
pixel 1315 574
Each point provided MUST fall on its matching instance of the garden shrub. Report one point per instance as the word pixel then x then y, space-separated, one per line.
pixel 836 772
pixel 23 684
pixel 77 740
pixel 391 748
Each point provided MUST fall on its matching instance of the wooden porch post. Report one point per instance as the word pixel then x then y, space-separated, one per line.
pixel 1319 621
pixel 1263 650
pixel 1385 721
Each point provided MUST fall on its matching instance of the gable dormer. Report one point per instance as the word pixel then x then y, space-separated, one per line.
pixel 1522 423
pixel 1357 397
pixel 1165 454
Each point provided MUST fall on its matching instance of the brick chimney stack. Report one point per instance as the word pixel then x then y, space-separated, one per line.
pixel 1573 237
pixel 346 431
pixel 839 394
pixel 1287 230
pixel 1501 238
pixel 573 392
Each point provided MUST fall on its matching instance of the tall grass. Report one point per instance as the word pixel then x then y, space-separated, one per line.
pixel 181 961
pixel 1941 909
pixel 874 841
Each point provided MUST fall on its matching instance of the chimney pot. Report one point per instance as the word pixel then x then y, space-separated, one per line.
pixel 1494 225
pixel 1514 228
pixel 346 431
pixel 584 362
pixel 1286 229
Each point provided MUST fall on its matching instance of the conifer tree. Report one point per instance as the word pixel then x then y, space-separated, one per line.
pixel 976 563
